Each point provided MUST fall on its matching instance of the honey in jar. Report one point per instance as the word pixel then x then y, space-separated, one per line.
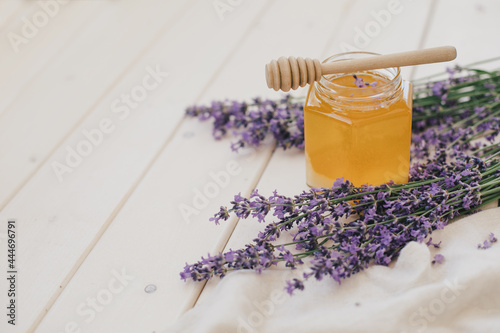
pixel 358 126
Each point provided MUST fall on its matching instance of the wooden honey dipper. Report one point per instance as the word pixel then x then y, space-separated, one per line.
pixel 290 73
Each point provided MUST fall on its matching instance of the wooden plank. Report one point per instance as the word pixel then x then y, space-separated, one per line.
pixel 33 53
pixel 60 228
pixel 469 26
pixel 373 28
pixel 292 181
pixel 188 165
pixel 113 12
pixel 41 118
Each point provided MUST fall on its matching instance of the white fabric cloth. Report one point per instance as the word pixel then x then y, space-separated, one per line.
pixel 412 295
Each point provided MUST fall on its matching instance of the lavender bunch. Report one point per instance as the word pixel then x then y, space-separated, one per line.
pixel 386 218
pixel 455 112
pixel 253 122
pixel 440 101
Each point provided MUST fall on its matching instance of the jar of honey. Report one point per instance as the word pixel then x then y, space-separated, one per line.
pixel 358 126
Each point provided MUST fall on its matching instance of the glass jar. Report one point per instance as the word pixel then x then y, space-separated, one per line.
pixel 358 126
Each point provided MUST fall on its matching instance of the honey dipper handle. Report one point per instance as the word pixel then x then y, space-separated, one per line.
pixel 419 57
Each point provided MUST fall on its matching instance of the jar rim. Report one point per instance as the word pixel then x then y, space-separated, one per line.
pixel 341 93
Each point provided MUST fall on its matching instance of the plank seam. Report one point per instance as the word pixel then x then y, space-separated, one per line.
pixel 335 33
pixel 255 182
pixel 427 27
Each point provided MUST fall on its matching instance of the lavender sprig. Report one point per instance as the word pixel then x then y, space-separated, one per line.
pixel 253 122
pixel 359 82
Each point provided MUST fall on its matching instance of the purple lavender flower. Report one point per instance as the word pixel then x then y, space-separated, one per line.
pixel 436 245
pixel 490 86
pixel 223 214
pixel 438 259
pixel 440 89
pixel 359 82
pixel 294 285
pixel 487 243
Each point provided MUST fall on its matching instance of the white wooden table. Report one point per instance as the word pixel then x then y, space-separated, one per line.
pixel 97 161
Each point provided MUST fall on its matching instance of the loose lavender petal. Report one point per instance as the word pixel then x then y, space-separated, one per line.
pixel 438 259
pixel 487 243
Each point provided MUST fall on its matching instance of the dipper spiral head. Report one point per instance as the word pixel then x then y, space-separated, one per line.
pixel 290 73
